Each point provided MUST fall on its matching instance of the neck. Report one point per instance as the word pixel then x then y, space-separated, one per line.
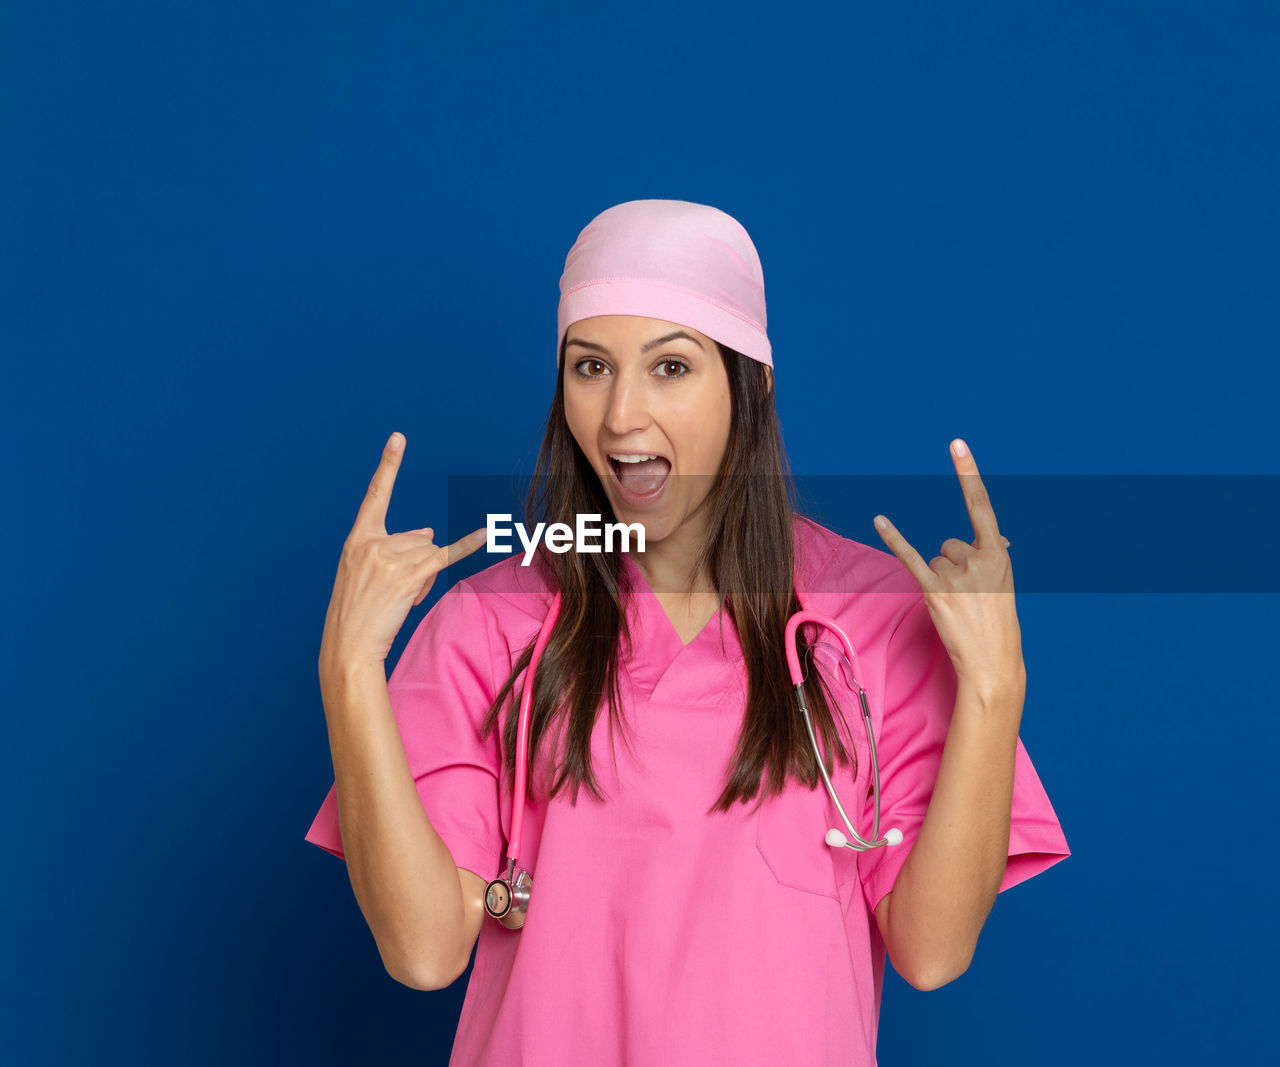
pixel 667 565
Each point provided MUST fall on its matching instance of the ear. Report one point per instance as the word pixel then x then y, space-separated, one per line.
pixel 768 373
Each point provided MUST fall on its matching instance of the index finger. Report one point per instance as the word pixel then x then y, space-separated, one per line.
pixel 981 513
pixel 372 516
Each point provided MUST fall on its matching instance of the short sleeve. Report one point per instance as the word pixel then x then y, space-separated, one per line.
pixel 441 689
pixel 919 698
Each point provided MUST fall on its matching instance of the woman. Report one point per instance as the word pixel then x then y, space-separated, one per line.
pixel 686 905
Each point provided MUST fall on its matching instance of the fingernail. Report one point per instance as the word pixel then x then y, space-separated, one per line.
pixel 881 522
pixel 397 439
pixel 960 448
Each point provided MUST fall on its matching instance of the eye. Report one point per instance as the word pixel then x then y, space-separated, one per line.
pixel 578 368
pixel 668 363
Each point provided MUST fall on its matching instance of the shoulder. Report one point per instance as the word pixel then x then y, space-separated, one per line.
pixel 830 563
pixel 842 576
pixel 486 617
pixel 510 598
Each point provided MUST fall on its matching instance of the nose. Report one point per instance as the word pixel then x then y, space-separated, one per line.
pixel 628 407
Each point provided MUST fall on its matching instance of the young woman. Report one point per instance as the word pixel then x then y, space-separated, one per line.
pixel 669 892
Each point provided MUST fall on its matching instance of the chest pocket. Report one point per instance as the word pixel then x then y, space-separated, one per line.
pixel 790 832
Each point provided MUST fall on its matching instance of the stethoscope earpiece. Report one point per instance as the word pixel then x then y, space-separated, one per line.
pixel 836 839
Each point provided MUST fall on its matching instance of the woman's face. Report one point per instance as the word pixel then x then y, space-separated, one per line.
pixel 636 386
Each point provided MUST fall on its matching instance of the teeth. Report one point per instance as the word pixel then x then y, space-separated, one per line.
pixel 630 459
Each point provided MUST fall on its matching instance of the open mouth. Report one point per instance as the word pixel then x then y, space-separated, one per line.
pixel 639 478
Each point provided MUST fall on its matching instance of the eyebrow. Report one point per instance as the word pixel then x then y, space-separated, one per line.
pixel 651 345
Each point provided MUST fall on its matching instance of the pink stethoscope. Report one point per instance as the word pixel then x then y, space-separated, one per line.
pixel 506 898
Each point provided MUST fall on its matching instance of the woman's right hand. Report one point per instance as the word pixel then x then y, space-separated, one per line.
pixel 380 575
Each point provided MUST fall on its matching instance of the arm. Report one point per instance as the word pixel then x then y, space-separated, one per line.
pixel 423 911
pixel 948 884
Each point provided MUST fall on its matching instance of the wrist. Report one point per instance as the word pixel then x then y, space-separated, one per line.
pixel 343 671
pixel 994 697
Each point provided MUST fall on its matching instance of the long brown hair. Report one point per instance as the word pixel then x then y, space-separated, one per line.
pixel 749 554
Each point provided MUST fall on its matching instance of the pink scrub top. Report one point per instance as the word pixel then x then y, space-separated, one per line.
pixel 657 932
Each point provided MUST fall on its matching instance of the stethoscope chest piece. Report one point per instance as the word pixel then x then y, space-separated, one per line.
pixel 507 898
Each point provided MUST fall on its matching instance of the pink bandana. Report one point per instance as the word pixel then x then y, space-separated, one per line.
pixel 685 263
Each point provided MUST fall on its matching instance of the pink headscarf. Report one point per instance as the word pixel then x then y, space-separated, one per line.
pixel 669 259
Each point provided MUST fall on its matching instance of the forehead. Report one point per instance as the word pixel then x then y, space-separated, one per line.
pixel 632 331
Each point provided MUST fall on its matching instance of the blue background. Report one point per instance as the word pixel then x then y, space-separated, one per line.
pixel 242 243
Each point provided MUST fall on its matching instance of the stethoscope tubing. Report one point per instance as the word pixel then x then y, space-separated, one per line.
pixel 522 729
pixel 807 614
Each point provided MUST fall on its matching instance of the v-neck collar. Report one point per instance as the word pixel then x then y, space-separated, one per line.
pixel 662 665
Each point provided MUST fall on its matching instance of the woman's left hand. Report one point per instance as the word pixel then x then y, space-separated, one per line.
pixel 981 632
